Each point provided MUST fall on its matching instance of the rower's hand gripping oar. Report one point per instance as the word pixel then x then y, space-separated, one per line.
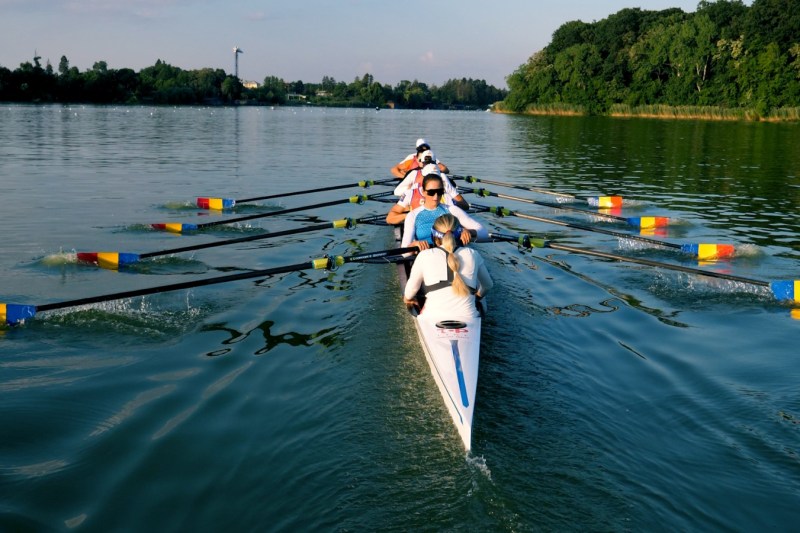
pixel 177 227
pixel 228 203
pixel 700 251
pixel 638 222
pixel 781 290
pixel 603 202
pixel 15 314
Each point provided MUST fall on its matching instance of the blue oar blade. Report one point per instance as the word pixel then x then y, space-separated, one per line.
pixel 15 314
pixel 786 290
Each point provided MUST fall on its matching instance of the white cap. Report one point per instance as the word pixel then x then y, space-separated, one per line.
pixel 427 154
pixel 422 141
pixel 427 170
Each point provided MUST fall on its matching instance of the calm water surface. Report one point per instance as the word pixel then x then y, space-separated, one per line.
pixel 612 396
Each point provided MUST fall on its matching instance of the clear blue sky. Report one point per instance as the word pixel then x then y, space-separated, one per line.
pixel 431 41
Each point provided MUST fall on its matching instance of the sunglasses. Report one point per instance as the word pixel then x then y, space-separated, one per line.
pixel 423 147
pixel 434 192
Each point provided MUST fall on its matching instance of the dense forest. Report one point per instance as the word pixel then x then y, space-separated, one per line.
pixel 166 84
pixel 725 55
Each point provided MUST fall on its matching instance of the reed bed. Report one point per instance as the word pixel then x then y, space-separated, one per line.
pixel 783 114
pixel 558 109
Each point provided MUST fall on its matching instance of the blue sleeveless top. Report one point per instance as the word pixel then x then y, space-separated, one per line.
pixel 424 222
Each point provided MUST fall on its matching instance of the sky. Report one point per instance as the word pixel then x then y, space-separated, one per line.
pixel 431 41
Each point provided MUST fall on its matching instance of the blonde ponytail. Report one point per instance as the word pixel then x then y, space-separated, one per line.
pixel 446 224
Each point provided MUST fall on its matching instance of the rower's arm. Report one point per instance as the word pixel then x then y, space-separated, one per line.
pixel 397 172
pixel 460 202
pixel 397 214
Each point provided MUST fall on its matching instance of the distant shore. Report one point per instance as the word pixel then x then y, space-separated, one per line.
pixel 662 112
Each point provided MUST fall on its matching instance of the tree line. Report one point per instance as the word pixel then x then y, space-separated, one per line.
pixel 725 54
pixel 166 84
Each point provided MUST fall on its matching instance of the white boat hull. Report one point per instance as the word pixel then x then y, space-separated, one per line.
pixel 452 349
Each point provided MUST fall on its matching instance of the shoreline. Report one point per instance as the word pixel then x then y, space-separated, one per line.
pixel 659 112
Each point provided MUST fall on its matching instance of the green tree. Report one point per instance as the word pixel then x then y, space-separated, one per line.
pixel 63 66
pixel 273 90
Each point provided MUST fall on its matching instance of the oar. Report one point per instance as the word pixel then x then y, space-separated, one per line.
pixel 594 201
pixel 700 251
pixel 115 260
pixel 177 227
pixel 782 290
pixel 228 203
pixel 639 222
pixel 13 314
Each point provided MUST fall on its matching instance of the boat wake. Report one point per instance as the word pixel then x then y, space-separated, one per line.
pixel 59 259
pixel 478 465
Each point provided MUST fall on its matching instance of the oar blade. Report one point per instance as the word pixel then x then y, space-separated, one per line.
pixel 788 290
pixel 175 227
pixel 109 260
pixel 604 202
pixel 648 222
pixel 709 251
pixel 15 314
pixel 215 203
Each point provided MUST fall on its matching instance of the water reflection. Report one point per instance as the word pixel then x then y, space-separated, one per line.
pixel 746 174
pixel 327 337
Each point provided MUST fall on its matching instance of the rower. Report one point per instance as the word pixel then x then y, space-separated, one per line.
pixel 413 195
pixel 453 276
pixel 411 161
pixel 418 223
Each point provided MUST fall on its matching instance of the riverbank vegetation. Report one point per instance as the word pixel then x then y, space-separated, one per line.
pixel 166 84
pixel 726 61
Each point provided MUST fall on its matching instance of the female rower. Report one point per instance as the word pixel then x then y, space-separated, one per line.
pixel 417 225
pixel 411 162
pixel 412 194
pixel 453 276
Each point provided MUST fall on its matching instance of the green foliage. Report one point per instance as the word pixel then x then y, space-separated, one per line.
pixel 725 54
pixel 163 83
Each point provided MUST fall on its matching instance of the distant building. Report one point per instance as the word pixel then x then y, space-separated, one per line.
pixel 323 94
pixel 295 96
pixel 250 84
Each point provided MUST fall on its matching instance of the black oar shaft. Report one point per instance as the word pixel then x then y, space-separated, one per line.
pixel 484 192
pixel 309 191
pixel 327 262
pixel 582 227
pixel 249 238
pixel 472 179
pixel 172 287
pixel 271 213
pixel 526 242
pixel 284 211
pixel 658 264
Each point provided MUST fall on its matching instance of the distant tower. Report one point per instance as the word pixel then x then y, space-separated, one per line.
pixel 236 52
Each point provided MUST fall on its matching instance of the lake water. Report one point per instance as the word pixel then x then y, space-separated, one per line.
pixel 612 396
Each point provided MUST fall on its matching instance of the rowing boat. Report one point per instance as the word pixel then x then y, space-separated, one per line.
pixel 452 348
